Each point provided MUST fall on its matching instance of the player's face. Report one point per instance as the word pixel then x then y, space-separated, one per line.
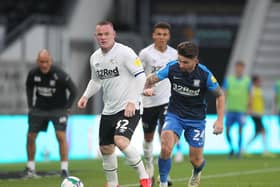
pixel 161 37
pixel 187 64
pixel 44 63
pixel 105 36
pixel 239 70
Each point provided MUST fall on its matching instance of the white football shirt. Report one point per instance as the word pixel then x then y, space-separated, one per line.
pixel 154 60
pixel 116 72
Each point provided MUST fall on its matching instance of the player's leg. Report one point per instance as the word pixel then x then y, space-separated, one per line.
pixel 261 130
pixel 257 129
pixel 31 148
pixel 241 120
pixel 36 124
pixel 198 162
pixel 229 122
pixel 168 140
pixel 125 128
pixel 169 137
pixel 195 136
pixel 149 121
pixel 161 121
pixel 60 124
pixel 107 149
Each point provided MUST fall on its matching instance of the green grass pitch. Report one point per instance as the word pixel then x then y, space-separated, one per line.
pixel 250 171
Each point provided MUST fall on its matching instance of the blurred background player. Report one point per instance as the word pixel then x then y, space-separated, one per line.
pixel 155 57
pixel 258 111
pixel 237 90
pixel 50 93
pixel 117 70
pixel 186 109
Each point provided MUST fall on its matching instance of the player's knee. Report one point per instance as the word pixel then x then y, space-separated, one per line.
pixel 149 137
pixel 165 151
pixel 107 149
pixel 196 160
pixel 31 138
pixel 121 142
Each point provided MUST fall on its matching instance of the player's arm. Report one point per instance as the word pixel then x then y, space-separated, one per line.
pixel 216 90
pixel 220 108
pixel 29 90
pixel 151 80
pixel 92 88
pixel 72 90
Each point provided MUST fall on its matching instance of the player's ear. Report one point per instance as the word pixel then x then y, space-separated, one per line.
pixel 196 60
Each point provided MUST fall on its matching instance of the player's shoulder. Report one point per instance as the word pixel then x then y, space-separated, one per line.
pixel 58 71
pixel 95 55
pixel 204 68
pixel 146 49
pixel 119 47
pixel 171 49
pixel 172 64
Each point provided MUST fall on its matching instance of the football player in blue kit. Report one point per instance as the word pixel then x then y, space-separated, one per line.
pixel 186 109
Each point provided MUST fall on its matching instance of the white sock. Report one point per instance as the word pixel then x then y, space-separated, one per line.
pixel 64 165
pixel 134 159
pixel 110 166
pixel 165 184
pixel 31 165
pixel 148 151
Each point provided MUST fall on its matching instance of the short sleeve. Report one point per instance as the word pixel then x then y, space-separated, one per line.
pixel 212 83
pixel 133 63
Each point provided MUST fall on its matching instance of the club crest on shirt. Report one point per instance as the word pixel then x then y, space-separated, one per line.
pixel 52 82
pixel 37 79
pixel 213 79
pixel 196 82
pixel 137 62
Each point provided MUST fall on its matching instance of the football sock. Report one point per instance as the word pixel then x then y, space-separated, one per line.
pixel 164 169
pixel 148 151
pixel 134 160
pixel 64 165
pixel 229 141
pixel 196 170
pixel 31 165
pixel 110 165
pixel 239 144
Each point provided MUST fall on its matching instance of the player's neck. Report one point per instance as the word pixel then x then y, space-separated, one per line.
pixel 161 48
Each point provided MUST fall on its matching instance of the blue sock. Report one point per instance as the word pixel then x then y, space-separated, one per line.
pixel 164 169
pixel 229 141
pixel 197 170
pixel 239 144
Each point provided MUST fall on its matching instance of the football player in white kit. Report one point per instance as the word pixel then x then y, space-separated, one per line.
pixel 154 57
pixel 118 71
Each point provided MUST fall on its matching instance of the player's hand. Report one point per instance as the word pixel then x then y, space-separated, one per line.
pixel 82 103
pixel 218 127
pixel 148 92
pixel 129 110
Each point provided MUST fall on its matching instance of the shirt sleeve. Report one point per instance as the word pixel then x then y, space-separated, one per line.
pixel 142 58
pixel 72 91
pixel 212 83
pixel 163 72
pixel 225 84
pixel 133 63
pixel 29 89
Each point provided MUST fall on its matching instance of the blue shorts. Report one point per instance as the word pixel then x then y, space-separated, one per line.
pixel 194 130
pixel 238 117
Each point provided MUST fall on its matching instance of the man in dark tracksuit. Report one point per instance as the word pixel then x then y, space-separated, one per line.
pixel 50 93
